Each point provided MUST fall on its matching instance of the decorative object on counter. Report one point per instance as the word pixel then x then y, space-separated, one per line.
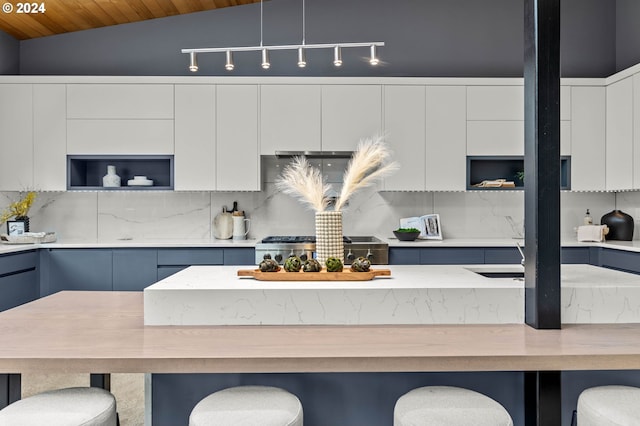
pixel 334 264
pixel 592 233
pixel 406 234
pixel 620 225
pixel 29 238
pixel 588 220
pixel 268 265
pixel 111 179
pixel 299 179
pixel 140 181
pixel 361 264
pixel 241 225
pixel 19 210
pixel 311 265
pixel 323 275
pixel 428 224
pixel 292 264
pixel 497 183
pixel 223 225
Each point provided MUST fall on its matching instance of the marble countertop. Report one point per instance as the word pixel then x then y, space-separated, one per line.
pixel 413 294
pixel 211 242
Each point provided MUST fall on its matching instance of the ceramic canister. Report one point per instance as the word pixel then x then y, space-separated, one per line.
pixel 620 225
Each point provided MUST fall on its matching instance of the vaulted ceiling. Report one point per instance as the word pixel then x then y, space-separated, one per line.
pixel 49 17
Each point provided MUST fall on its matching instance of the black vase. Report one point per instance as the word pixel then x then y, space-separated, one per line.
pixel 620 225
pixel 24 219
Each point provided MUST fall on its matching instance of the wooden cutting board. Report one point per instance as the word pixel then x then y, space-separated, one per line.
pixel 282 275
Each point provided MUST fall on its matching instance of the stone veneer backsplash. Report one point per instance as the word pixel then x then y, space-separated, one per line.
pixel 106 216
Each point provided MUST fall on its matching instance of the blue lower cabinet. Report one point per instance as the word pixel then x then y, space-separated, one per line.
pixel 134 269
pixel 190 256
pixel 77 269
pixel 618 259
pixel 502 255
pixel 575 255
pixel 166 271
pixel 18 279
pixel 451 256
pixel 239 256
pixel 404 256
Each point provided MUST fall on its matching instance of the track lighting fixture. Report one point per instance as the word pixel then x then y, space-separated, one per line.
pixel 337 56
pixel 193 62
pixel 229 65
pixel 301 49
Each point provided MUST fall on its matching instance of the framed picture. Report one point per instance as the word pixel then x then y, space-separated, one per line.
pixel 433 229
pixel 15 227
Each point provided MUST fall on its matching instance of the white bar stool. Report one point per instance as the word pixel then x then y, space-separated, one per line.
pixel 248 406
pixel 448 406
pixel 609 406
pixel 82 406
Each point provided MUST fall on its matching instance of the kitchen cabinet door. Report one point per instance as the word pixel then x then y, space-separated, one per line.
pixel 495 137
pixel 404 125
pixel 495 103
pixel 619 130
pixel 588 136
pixel 195 138
pixel 289 118
pixel 445 138
pixel 120 137
pixel 77 269
pixel 237 154
pixel 49 137
pixel 16 137
pixel 134 269
pixel 120 101
pixel 350 113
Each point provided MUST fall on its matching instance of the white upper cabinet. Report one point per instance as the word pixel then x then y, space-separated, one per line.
pixel 495 103
pixel 49 137
pixel 237 154
pixel 495 120
pixel 619 125
pixel 636 131
pixel 112 101
pixel 195 138
pixel 16 137
pixel 446 138
pixel 120 119
pixel 290 118
pixel 404 126
pixel 588 137
pixel 350 113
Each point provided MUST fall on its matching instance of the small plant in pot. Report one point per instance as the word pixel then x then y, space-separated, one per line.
pixel 406 234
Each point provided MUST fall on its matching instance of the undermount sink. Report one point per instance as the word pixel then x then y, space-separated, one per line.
pixel 501 272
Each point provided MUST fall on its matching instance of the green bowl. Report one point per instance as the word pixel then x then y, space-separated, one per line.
pixel 406 236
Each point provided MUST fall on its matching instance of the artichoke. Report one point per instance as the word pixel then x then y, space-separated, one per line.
pixel 311 265
pixel 292 264
pixel 269 265
pixel 361 264
pixel 333 264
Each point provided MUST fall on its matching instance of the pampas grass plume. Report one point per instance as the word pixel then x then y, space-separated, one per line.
pixel 305 183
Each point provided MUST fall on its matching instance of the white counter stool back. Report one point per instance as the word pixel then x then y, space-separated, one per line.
pixel 609 406
pixel 81 406
pixel 248 406
pixel 448 406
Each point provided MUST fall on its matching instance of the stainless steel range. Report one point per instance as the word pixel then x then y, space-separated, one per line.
pixel 281 247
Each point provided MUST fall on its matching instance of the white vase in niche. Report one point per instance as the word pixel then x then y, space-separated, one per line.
pixel 111 179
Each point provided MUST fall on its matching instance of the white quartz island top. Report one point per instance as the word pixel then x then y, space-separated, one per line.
pixel 413 294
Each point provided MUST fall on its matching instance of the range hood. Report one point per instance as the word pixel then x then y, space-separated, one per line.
pixel 314 154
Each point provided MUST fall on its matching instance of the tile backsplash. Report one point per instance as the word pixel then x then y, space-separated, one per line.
pixel 115 215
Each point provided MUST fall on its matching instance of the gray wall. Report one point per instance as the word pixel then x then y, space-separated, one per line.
pixel 627 33
pixel 9 54
pixel 423 38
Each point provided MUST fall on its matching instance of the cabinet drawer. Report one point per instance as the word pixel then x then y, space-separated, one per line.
pixel 120 137
pixel 18 262
pixel 112 101
pixel 619 259
pixel 18 289
pixel 452 256
pixel 205 256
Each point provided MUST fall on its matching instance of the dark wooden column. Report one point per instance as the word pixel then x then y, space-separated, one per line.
pixel 542 163
pixel 542 197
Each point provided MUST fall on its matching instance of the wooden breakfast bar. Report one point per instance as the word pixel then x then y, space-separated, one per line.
pixel 104 332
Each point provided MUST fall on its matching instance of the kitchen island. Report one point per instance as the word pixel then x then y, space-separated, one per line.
pixel 413 294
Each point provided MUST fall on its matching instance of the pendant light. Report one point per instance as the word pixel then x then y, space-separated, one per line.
pixel 300 48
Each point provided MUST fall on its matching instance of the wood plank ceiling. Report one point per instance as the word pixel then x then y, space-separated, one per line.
pixel 62 16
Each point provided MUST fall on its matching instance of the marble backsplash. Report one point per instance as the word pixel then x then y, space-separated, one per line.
pixel 106 216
